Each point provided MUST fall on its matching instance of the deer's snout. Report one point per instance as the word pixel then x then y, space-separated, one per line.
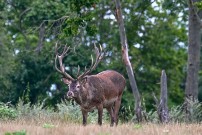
pixel 70 94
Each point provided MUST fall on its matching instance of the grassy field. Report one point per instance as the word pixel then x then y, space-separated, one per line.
pixel 62 128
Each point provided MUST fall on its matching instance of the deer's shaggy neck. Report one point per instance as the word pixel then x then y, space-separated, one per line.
pixel 82 96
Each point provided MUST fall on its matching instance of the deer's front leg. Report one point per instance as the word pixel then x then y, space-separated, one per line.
pixel 84 114
pixel 100 111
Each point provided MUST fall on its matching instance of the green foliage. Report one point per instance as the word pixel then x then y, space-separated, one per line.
pixel 157 38
pixel 35 77
pixel 23 132
pixel 192 115
pixel 152 116
pixel 48 125
pixel 200 83
pixel 7 68
pixel 126 113
pixel 74 25
pixel 26 92
pixel 36 111
pixel 198 5
pixel 179 114
pixel 7 112
pixel 65 111
pixel 71 112
pixel 194 112
pixel 137 126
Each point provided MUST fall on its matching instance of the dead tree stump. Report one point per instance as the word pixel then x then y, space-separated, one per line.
pixel 163 104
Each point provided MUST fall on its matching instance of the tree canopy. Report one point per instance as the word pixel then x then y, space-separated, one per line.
pixel 157 38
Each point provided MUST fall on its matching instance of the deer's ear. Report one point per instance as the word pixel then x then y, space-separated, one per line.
pixel 66 81
pixel 84 80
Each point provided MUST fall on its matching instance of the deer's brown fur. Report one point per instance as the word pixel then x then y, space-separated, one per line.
pixel 103 90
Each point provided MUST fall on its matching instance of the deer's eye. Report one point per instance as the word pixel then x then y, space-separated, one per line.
pixel 78 86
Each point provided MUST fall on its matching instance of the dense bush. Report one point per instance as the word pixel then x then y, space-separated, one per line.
pixel 7 112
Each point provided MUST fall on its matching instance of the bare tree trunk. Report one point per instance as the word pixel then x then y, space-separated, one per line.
pixel 124 43
pixel 163 105
pixel 191 90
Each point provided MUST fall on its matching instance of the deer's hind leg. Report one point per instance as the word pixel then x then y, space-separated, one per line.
pixel 100 112
pixel 116 109
pixel 111 113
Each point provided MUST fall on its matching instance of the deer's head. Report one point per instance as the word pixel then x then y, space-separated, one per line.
pixel 76 84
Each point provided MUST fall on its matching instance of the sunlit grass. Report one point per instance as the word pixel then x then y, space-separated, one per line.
pixel 61 128
pixel 37 120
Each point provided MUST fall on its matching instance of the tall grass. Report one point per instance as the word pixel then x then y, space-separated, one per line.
pixel 65 111
pixel 69 111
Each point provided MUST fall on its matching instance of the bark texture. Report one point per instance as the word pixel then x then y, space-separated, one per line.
pixel 163 105
pixel 124 43
pixel 193 63
pixel 191 90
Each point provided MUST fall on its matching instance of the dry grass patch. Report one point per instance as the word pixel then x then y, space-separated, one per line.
pixel 58 128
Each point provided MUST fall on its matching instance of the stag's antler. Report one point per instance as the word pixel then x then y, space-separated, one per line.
pixel 99 57
pixel 60 58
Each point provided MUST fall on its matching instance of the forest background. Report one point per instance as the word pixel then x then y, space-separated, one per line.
pixel 157 33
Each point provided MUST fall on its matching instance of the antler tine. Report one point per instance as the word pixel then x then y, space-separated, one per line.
pixel 99 52
pixel 56 48
pixel 91 62
pixel 66 49
pixel 98 56
pixel 60 58
pixel 78 71
pixel 96 51
pixel 93 65
pixel 56 57
pixel 98 59
pixel 87 71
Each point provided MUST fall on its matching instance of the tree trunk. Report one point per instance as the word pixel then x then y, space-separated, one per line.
pixel 193 63
pixel 124 43
pixel 163 107
pixel 191 90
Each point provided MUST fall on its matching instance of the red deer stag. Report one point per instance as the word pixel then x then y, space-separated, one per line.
pixel 103 90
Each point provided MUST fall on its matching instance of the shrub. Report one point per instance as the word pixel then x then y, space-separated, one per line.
pixel 70 111
pixel 194 111
pixel 7 112
pixel 36 111
pixel 23 132
pixel 178 114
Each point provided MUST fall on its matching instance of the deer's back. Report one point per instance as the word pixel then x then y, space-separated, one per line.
pixel 105 87
pixel 110 82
